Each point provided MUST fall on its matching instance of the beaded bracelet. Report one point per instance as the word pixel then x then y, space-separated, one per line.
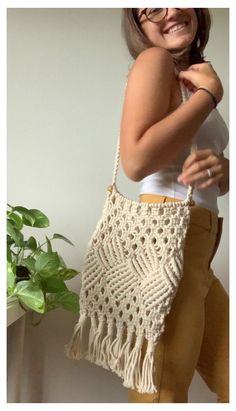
pixel 210 93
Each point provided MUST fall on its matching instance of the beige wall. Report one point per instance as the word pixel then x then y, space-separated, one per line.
pixel 66 75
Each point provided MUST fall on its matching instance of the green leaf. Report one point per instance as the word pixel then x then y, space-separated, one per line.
pixel 62 238
pixel 16 235
pixel 65 299
pixel 39 250
pixel 32 217
pixel 31 243
pixel 47 264
pixel 16 220
pixel 36 279
pixel 54 285
pixel 49 245
pixel 9 254
pixel 41 220
pixel 11 277
pixel 30 295
pixel 68 273
pixel 28 218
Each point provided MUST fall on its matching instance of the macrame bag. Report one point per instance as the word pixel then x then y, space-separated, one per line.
pixel 133 266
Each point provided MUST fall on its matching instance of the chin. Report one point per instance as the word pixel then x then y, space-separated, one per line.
pixel 179 45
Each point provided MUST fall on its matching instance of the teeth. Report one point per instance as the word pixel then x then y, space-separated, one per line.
pixel 176 28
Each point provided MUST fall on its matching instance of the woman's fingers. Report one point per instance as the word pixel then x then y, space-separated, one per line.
pixel 203 75
pixel 197 156
pixel 196 166
pixel 188 75
pixel 202 176
pixel 210 181
pixel 189 85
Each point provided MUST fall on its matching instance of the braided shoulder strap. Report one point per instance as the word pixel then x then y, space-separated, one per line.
pixel 193 148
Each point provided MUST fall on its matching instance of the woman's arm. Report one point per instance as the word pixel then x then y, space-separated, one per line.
pixel 150 137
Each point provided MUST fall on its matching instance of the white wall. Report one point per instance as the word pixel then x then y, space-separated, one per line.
pixel 66 75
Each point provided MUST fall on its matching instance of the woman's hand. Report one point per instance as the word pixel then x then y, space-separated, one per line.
pixel 202 75
pixel 205 168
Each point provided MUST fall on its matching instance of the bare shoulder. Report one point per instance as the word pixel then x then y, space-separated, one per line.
pixel 155 53
pixel 152 76
pixel 154 59
pixel 150 83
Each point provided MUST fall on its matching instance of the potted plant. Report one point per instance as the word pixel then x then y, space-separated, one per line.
pixel 36 274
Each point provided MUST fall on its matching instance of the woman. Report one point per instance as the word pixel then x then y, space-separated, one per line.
pixel 156 135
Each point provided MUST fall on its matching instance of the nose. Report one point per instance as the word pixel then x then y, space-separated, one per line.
pixel 172 13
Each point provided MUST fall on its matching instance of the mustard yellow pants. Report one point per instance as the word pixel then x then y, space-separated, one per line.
pixel 196 333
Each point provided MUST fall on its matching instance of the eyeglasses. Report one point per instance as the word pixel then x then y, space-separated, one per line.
pixel 155 15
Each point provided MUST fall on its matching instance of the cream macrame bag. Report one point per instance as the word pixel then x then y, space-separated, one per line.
pixel 133 266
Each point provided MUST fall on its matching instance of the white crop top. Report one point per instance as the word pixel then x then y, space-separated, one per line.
pixel 212 134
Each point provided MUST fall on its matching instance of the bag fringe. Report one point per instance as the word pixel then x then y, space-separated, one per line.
pixel 119 363
pixel 147 383
pixel 106 345
pixel 103 349
pixel 95 341
pixel 132 375
pixel 76 348
pixel 116 351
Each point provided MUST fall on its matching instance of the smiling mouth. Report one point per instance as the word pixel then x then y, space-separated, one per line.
pixel 176 28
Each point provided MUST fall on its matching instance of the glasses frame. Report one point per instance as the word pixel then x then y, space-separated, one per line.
pixel 144 11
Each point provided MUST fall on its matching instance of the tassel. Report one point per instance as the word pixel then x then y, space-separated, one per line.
pixel 146 384
pixel 106 344
pixel 116 347
pixel 118 365
pixel 127 349
pixel 76 348
pixel 92 333
pixel 132 375
pixel 95 350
